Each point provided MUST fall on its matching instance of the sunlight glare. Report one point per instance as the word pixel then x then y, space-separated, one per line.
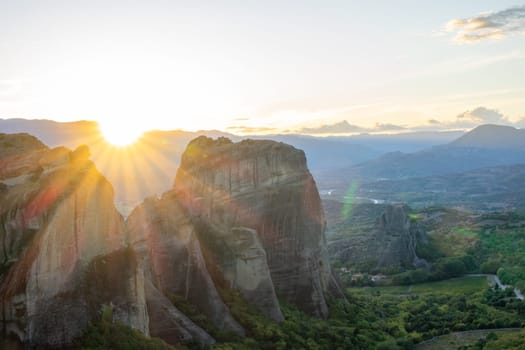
pixel 121 134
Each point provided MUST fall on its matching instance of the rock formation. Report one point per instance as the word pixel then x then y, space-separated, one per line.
pixel 395 240
pixel 244 216
pixel 165 236
pixel 61 240
pixel 388 244
pixel 262 191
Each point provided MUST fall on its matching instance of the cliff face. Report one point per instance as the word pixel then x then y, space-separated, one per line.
pixel 164 235
pixel 258 196
pixel 244 216
pixel 394 240
pixel 387 243
pixel 58 227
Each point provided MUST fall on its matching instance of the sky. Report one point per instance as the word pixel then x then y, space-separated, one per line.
pixel 316 67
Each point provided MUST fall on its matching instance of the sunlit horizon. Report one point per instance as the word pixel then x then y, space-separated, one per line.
pixel 333 68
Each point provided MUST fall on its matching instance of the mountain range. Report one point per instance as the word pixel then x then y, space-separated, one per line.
pixel 147 167
pixel 483 163
pixel 374 163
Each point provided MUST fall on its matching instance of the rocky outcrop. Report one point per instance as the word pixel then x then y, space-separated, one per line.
pixel 260 196
pixel 394 240
pixel 244 216
pixel 241 216
pixel 173 258
pixel 60 238
pixel 387 245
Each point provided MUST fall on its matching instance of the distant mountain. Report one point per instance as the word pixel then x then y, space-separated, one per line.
pixel 52 133
pixel 492 137
pixel 485 146
pixel 163 149
pixel 407 141
pixel 325 155
pixel 435 161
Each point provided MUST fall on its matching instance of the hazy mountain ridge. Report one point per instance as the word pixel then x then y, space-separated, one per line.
pixel 164 149
pixel 396 170
pixel 492 136
pixel 484 146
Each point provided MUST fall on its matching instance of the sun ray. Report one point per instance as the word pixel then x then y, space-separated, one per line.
pixel 120 134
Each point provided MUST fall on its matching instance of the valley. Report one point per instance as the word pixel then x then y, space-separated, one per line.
pixel 262 175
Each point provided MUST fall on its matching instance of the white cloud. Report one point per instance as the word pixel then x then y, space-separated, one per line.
pixel 387 127
pixel 342 127
pixel 492 25
pixel 480 115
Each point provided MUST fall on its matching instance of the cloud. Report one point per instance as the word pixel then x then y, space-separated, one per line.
pixel 471 119
pixel 465 120
pixel 492 25
pixel 241 129
pixel 387 127
pixel 480 115
pixel 342 127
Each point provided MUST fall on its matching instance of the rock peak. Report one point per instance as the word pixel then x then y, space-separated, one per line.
pixel 264 186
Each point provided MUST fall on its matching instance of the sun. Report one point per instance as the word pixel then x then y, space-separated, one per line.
pixel 120 134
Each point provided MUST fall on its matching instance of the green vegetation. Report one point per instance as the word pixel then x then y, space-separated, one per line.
pixel 499 341
pixel 443 268
pixel 457 286
pixel 427 310
pixel 461 340
pixel 379 317
pixel 371 318
pixel 106 334
pixel 492 243
pixel 354 325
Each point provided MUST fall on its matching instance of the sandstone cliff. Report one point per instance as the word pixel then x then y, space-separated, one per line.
pixel 164 235
pixel 377 237
pixel 258 196
pixel 59 231
pixel 244 216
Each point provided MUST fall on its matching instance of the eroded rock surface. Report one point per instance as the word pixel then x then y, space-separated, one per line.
pixel 386 242
pixel 265 187
pixel 173 258
pixel 57 220
pixel 241 216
